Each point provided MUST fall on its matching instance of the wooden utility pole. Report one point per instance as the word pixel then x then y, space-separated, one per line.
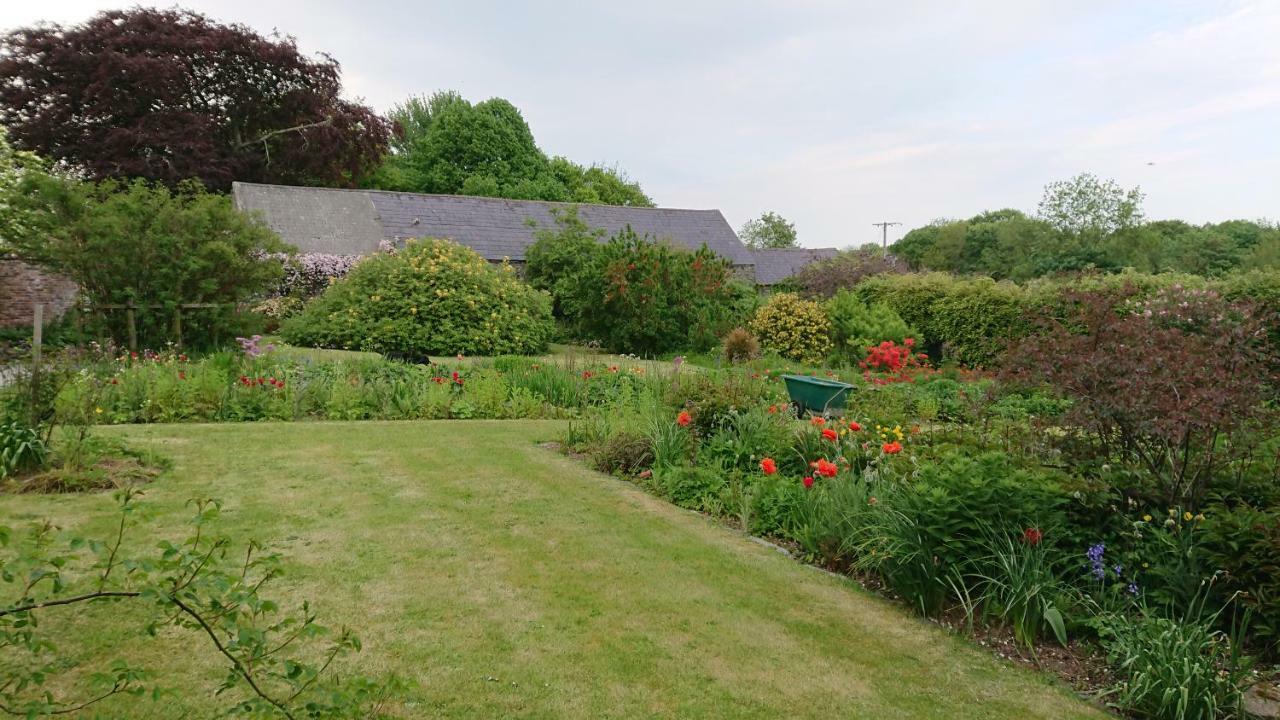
pixel 884 235
pixel 37 339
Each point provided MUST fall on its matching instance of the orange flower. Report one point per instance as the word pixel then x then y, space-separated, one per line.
pixel 892 448
pixel 829 434
pixel 817 421
pixel 773 408
pixel 827 469
pixel 768 466
pixel 683 419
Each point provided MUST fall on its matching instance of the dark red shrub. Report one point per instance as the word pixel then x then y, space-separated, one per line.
pixel 1172 386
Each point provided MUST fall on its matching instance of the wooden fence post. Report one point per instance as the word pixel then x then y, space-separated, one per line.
pixel 177 325
pixel 37 339
pixel 133 326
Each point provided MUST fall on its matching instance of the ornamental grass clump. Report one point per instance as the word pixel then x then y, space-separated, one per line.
pixel 434 297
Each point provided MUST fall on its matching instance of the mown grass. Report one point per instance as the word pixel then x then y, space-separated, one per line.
pixel 504 580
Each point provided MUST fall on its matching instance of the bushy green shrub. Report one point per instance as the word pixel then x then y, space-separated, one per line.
pixel 151 246
pixel 696 488
pixel 636 294
pixel 434 297
pixel 941 521
pixel 857 326
pixel 794 328
pixel 1244 543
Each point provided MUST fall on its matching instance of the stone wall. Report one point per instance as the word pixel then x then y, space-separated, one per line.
pixel 23 285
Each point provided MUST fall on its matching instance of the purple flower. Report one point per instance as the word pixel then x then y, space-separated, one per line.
pixel 1133 588
pixel 1096 564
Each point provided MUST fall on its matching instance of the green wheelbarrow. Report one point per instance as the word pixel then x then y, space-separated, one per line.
pixel 811 394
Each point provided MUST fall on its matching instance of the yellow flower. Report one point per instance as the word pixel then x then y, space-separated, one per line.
pixel 1186 515
pixel 1199 517
pixel 1146 518
pixel 98 410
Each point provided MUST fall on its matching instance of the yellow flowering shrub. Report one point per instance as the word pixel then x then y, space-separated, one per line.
pixel 794 328
pixel 434 297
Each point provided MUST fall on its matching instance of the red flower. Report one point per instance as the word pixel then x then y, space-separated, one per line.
pixel 854 426
pixel 1032 536
pixel 892 448
pixel 114 381
pixel 683 419
pixel 827 469
pixel 818 421
pixel 808 481
pixel 586 374
pixel 613 368
pixel 829 434
pixel 773 409
pixel 182 375
pixel 768 466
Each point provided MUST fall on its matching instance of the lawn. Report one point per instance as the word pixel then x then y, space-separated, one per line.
pixel 505 580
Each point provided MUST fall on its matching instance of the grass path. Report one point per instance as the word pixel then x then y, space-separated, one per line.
pixel 504 580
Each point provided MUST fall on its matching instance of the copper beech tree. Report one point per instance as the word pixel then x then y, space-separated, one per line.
pixel 171 95
pixel 1172 387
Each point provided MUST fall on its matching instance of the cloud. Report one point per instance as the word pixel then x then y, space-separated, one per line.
pixel 838 114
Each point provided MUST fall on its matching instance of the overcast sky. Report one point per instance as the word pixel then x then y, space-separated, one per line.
pixel 837 114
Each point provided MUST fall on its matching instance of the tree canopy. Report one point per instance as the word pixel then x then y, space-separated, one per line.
pixel 770 230
pixel 1087 224
pixel 449 146
pixel 171 95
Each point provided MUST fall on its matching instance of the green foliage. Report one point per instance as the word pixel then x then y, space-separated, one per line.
pixel 1087 206
pixel 794 328
pixel 1086 224
pixel 22 448
pixel 558 258
pixel 770 230
pixel 1244 542
pixel 449 146
pixel 1180 669
pixel 16 166
pixel 966 320
pixel 151 246
pixel 1021 584
pixel 939 522
pixel 635 294
pixel 207 585
pixel 856 327
pixel 696 488
pixel 434 297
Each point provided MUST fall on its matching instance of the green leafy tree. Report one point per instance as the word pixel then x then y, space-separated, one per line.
pixel 447 145
pixel 1089 207
pixel 770 230
pixel 149 245
pixel 559 257
pixel 16 215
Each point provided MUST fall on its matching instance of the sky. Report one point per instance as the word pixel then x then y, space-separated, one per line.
pixel 837 115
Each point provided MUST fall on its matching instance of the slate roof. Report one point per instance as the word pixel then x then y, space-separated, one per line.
pixel 353 222
pixel 774 266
